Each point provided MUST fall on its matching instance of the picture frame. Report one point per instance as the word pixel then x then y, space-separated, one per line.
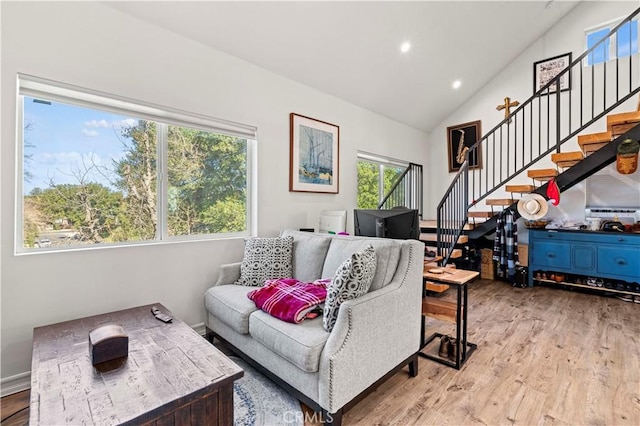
pixel 547 69
pixel 314 155
pixel 460 136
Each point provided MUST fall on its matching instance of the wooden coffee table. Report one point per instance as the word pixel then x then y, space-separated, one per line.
pixel 171 375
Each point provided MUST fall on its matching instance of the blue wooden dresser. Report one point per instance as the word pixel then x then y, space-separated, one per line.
pixel 612 260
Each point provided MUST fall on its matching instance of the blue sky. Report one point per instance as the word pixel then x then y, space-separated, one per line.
pixel 67 140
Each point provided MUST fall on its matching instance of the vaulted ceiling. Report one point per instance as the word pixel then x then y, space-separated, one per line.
pixel 352 49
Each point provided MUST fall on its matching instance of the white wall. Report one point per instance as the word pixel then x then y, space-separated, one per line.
pixel 516 82
pixel 95 46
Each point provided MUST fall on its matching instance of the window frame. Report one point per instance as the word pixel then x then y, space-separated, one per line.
pixel 612 49
pixel 164 117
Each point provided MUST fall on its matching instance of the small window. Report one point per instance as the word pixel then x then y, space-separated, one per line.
pixel 101 170
pixel 376 175
pixel 621 44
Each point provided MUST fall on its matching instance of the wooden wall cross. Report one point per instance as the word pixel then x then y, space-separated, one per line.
pixel 507 106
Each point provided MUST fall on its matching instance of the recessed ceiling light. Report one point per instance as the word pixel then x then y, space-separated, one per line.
pixel 456 84
pixel 404 48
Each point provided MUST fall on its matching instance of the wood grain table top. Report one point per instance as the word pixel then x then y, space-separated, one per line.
pixel 168 365
pixel 451 276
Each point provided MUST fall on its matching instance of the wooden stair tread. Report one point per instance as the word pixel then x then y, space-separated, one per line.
pixel 592 138
pixel 480 214
pixel 621 129
pixel 567 156
pixel 500 202
pixel 593 147
pixel 520 188
pixel 618 124
pixel 542 174
pixel 455 254
pixel 566 164
pixel 432 223
pixel 433 237
pixel 567 159
pixel 623 118
pixel 431 262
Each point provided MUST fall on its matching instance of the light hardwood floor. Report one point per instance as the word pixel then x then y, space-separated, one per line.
pixel 545 357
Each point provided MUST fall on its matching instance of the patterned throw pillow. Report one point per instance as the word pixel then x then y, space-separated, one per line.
pixel 352 279
pixel 265 259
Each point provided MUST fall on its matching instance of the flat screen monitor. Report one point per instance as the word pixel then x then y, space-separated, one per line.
pixel 401 224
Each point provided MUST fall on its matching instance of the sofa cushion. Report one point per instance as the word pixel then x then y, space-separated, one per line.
pixel 309 252
pixel 353 279
pixel 301 344
pixel 265 259
pixel 387 257
pixel 230 304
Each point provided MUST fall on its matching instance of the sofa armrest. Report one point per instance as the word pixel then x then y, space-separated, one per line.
pixel 373 333
pixel 229 273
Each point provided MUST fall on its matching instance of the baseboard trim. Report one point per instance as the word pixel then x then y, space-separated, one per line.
pixel 14 384
pixel 22 381
pixel 200 329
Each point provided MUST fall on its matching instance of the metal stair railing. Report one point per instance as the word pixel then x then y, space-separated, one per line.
pixel 452 214
pixel 539 126
pixel 406 190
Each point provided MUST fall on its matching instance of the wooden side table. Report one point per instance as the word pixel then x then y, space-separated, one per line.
pixel 448 311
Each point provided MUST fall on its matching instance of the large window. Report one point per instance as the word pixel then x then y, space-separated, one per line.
pixel 99 169
pixel 621 44
pixel 376 175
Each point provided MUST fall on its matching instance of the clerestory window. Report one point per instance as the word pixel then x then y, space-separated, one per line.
pixel 623 43
pixel 99 169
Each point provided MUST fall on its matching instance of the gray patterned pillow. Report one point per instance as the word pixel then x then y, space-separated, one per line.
pixel 265 259
pixel 352 279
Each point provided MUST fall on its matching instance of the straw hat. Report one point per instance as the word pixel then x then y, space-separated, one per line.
pixel 533 207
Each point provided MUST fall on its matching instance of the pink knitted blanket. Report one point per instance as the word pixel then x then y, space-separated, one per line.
pixel 289 299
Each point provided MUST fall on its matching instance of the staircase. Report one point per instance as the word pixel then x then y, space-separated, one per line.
pixel 533 135
pixel 594 158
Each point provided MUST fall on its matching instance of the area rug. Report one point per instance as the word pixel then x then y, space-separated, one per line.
pixel 257 401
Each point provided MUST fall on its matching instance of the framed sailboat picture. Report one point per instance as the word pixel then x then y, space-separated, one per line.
pixel 314 155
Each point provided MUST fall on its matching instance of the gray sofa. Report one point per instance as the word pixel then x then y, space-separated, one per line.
pixel 375 335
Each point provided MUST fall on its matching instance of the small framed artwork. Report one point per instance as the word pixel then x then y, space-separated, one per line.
pixel 314 155
pixel 544 71
pixel 463 136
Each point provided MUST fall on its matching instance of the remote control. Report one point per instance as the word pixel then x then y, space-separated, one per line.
pixel 160 316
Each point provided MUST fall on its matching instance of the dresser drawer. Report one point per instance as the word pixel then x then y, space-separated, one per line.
pixel 551 254
pixel 621 261
pixel 587 237
pixel 617 238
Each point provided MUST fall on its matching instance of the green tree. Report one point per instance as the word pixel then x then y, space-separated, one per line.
pixel 206 172
pixel 92 209
pixel 226 216
pixel 137 180
pixel 368 184
pixel 207 176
